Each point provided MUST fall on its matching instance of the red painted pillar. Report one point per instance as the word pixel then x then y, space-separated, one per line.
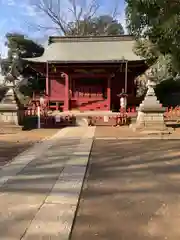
pixel 47 79
pixel 66 98
pixel 109 93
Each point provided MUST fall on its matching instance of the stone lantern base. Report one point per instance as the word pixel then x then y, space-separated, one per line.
pixel 150 121
pixel 9 108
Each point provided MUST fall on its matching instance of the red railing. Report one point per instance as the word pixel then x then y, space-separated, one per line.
pixel 132 112
pixel 121 118
pixel 172 113
pixel 47 120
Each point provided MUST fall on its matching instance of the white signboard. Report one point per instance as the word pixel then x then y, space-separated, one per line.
pixel 106 118
pixel 58 118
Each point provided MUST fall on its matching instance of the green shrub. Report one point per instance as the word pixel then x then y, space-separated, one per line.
pixel 167 92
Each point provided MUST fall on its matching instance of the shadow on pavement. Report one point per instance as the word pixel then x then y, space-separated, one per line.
pixel 131 191
pixel 22 196
pixel 10 149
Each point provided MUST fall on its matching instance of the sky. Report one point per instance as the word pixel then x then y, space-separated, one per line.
pixel 22 16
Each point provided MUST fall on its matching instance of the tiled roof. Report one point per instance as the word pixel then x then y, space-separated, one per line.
pixel 88 49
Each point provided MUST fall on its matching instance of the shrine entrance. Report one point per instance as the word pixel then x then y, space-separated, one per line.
pixel 90 88
pixel 89 93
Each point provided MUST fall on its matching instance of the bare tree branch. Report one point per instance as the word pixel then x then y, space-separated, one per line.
pixel 114 14
pixel 54 10
pixel 47 7
pixel 77 16
pixel 69 19
pixel 92 9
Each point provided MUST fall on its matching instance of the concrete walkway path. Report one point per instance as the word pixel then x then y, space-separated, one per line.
pixel 39 189
pixel 132 192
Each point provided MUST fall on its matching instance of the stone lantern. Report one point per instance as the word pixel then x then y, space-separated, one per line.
pixel 150 112
pixel 8 106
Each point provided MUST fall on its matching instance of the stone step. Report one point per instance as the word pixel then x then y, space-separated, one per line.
pixel 9 128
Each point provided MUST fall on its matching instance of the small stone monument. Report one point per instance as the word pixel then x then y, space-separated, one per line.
pixel 150 112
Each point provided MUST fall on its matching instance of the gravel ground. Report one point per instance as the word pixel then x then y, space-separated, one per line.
pixel 125 131
pixel 14 141
pixel 103 132
pixel 131 191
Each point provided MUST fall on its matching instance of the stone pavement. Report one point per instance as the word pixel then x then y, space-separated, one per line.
pixel 39 189
pixel 131 192
pixel 13 142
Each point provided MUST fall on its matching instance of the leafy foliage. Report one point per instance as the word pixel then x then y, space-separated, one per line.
pixel 102 25
pixel 25 47
pixel 156 26
pixel 159 22
pixel 22 47
pixel 160 64
pixel 13 68
pixel 168 92
pixel 147 50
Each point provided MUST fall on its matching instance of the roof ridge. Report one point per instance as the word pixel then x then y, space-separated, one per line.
pixel 54 39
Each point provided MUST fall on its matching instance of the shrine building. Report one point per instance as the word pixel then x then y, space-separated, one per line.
pixel 88 73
